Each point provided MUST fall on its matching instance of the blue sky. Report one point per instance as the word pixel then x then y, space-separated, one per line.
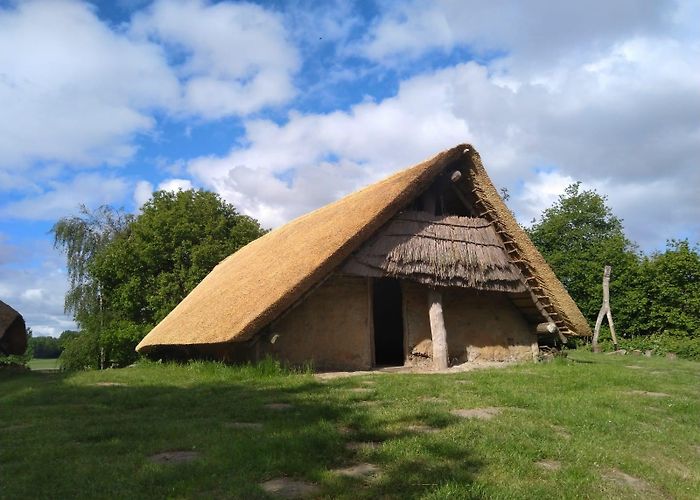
pixel 284 106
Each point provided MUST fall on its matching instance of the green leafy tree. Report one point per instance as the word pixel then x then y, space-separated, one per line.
pixel 45 347
pixel 670 302
pixel 578 236
pixel 166 251
pixel 128 272
pixel 81 237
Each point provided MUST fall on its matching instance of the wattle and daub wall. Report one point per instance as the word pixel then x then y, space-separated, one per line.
pixel 333 327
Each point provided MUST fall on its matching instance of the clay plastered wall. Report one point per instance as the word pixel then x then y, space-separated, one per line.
pixel 485 327
pixel 330 328
pixel 480 325
pixel 415 314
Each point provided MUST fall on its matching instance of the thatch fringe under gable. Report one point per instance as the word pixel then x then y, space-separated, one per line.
pixel 438 251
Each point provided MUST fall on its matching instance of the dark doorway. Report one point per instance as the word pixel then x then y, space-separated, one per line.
pixel 388 322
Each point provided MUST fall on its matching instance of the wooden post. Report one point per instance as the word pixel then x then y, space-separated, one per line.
pixel 437 330
pixel 604 312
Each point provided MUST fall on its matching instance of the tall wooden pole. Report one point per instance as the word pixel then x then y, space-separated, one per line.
pixel 437 330
pixel 437 320
pixel 604 312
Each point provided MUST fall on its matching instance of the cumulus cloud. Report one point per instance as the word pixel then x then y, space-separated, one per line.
pixel 617 120
pixel 144 189
pixel 532 34
pixel 71 88
pixel 235 57
pixel 75 90
pixel 37 288
pixel 142 193
pixel 63 197
pixel 175 185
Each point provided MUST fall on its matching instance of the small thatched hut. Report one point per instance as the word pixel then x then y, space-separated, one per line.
pixel 425 267
pixel 13 332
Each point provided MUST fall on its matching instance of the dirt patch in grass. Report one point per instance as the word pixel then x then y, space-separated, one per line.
pixel 623 479
pixel 284 487
pixel 363 470
pixel 480 413
pixel 552 465
pixel 109 384
pixel 174 457
pixel 244 425
pixel 278 406
pixel 361 390
pixel 362 445
pixel 421 428
pixel 635 367
pixel 561 431
pixel 649 394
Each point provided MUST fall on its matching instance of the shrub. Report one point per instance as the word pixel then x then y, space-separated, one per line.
pixel 80 352
pixel 660 344
pixel 118 342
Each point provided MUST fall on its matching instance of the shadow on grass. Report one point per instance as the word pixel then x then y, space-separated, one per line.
pixel 62 438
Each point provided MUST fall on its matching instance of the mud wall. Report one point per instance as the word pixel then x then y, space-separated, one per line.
pixel 486 327
pixel 481 326
pixel 330 328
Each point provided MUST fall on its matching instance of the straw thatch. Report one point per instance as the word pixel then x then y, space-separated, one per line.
pixel 438 251
pixel 252 287
pixel 13 331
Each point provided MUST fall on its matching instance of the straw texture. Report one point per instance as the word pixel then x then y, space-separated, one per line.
pixel 13 332
pixel 438 251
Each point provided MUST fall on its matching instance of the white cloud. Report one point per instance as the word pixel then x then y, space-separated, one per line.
pixel 625 119
pixel 37 289
pixel 63 197
pixel 538 193
pixel 72 89
pixel 533 33
pixel 175 185
pixel 142 193
pixel 144 189
pixel 76 90
pixel 235 56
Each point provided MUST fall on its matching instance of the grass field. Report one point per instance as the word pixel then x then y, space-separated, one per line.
pixel 594 426
pixel 43 364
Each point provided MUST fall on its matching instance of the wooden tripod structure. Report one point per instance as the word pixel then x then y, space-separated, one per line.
pixel 604 311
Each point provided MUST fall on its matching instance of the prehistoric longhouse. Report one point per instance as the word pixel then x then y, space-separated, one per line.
pixel 13 332
pixel 427 267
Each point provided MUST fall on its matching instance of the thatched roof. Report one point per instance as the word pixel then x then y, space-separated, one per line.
pixel 252 287
pixel 13 331
pixel 438 251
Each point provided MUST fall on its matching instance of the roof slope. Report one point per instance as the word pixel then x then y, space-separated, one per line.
pixel 252 287
pixel 438 250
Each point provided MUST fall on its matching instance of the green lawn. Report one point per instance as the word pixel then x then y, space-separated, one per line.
pixel 44 364
pixel 567 429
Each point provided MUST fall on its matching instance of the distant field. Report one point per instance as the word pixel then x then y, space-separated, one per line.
pixel 594 426
pixel 44 364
